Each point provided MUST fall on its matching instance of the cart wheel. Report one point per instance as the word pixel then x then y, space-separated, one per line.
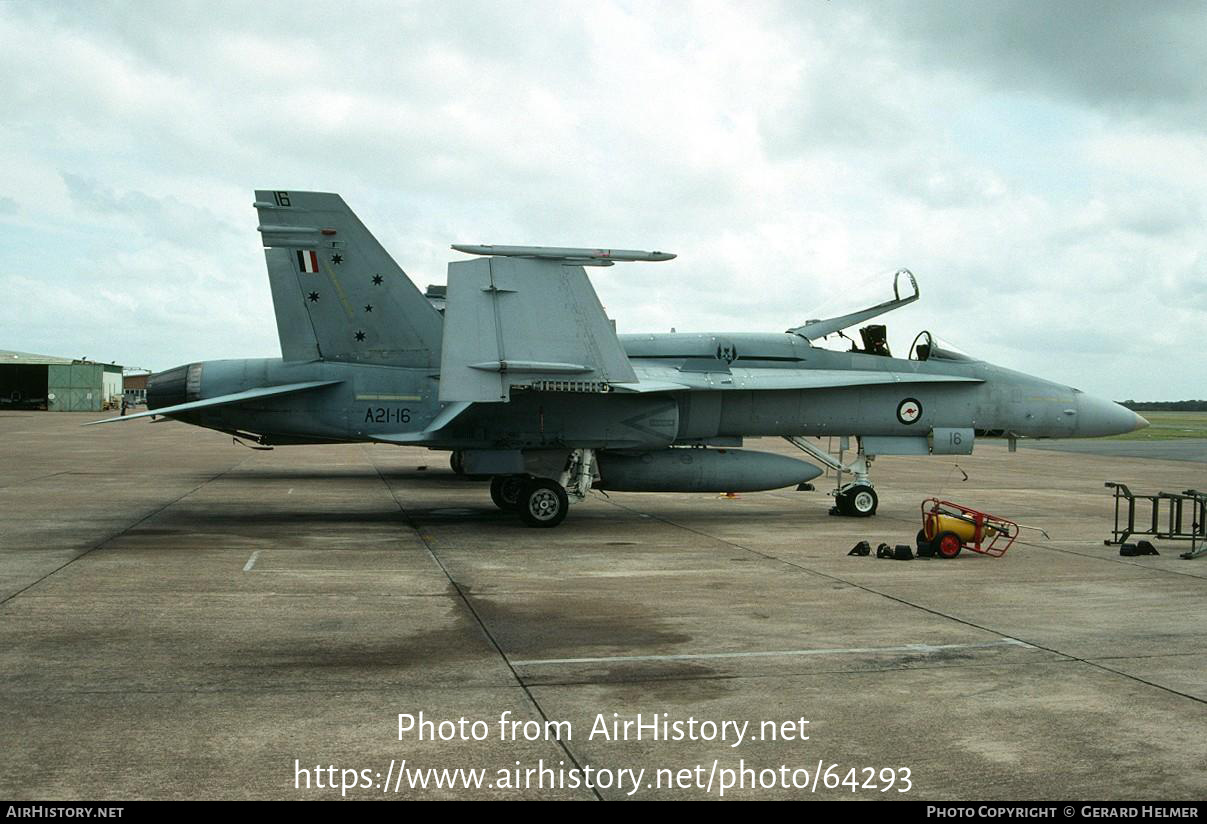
pixel 925 548
pixel 948 545
pixel 456 462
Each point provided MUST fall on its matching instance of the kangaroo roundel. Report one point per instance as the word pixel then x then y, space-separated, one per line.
pixel 909 410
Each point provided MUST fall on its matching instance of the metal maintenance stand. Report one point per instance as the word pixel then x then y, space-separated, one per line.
pixel 1177 506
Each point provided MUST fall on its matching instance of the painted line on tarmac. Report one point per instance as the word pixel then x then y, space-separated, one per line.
pixel 915 649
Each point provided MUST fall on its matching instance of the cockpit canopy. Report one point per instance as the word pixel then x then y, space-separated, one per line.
pixel 875 336
pixel 928 347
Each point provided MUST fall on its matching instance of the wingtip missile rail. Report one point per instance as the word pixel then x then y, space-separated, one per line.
pixel 590 257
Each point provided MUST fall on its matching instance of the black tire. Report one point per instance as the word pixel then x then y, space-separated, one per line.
pixel 925 548
pixel 505 491
pixel 947 545
pixel 543 503
pixel 861 501
pixel 457 464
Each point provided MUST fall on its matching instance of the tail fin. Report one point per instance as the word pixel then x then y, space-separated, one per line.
pixel 338 294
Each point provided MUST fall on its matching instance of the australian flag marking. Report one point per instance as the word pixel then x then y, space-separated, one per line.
pixel 308 260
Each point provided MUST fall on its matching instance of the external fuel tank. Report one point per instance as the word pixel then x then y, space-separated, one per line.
pixel 700 470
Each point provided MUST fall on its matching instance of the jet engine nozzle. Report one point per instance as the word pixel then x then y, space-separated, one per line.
pixel 174 386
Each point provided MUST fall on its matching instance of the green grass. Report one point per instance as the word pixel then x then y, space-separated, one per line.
pixel 1168 426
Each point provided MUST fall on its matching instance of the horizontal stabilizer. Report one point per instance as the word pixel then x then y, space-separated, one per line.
pixel 401 438
pixel 444 417
pixel 224 400
pixel 517 321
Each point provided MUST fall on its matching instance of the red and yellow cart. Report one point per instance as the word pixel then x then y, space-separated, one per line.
pixel 948 527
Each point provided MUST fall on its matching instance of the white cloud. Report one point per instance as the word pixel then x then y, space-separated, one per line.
pixel 788 153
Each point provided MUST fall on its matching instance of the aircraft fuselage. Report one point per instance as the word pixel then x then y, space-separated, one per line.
pixel 734 395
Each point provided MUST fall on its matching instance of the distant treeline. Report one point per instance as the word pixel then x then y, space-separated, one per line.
pixel 1166 406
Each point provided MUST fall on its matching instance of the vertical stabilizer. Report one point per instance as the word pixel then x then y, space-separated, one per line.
pixel 338 294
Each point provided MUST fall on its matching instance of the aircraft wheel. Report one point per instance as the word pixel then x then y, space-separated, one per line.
pixel 948 545
pixel 543 503
pixel 860 501
pixel 505 491
pixel 457 464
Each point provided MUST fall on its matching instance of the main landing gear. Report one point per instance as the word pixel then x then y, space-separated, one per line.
pixel 544 502
pixel 540 502
pixel 857 498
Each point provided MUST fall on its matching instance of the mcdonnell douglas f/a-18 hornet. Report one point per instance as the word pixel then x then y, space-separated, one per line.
pixel 522 377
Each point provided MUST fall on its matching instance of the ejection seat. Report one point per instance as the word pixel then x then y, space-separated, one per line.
pixel 875 340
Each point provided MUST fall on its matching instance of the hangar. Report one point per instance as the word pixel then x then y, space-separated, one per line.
pixel 29 381
pixel 134 385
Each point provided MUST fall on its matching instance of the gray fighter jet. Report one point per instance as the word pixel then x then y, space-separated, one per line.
pixel 522 377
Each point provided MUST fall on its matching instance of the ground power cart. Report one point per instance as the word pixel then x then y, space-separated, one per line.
pixel 948 527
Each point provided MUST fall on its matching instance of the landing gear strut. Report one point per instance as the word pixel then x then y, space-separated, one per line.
pixel 579 474
pixel 857 498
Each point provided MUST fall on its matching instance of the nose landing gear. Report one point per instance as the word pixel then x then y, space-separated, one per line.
pixel 857 499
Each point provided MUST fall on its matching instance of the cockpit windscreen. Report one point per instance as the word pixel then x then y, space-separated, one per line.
pixel 928 347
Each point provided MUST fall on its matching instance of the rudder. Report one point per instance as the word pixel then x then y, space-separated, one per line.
pixel 338 295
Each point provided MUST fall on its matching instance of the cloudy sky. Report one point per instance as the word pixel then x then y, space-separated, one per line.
pixel 1042 168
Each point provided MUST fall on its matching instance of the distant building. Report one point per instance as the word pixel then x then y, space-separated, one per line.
pixel 134 386
pixel 29 381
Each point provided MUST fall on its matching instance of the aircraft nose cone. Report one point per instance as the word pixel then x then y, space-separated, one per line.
pixel 1097 417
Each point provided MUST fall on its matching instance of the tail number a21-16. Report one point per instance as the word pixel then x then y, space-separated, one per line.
pixel 387 414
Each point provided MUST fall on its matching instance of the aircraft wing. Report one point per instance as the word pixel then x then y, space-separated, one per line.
pixel 525 321
pixel 223 400
pixel 670 379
